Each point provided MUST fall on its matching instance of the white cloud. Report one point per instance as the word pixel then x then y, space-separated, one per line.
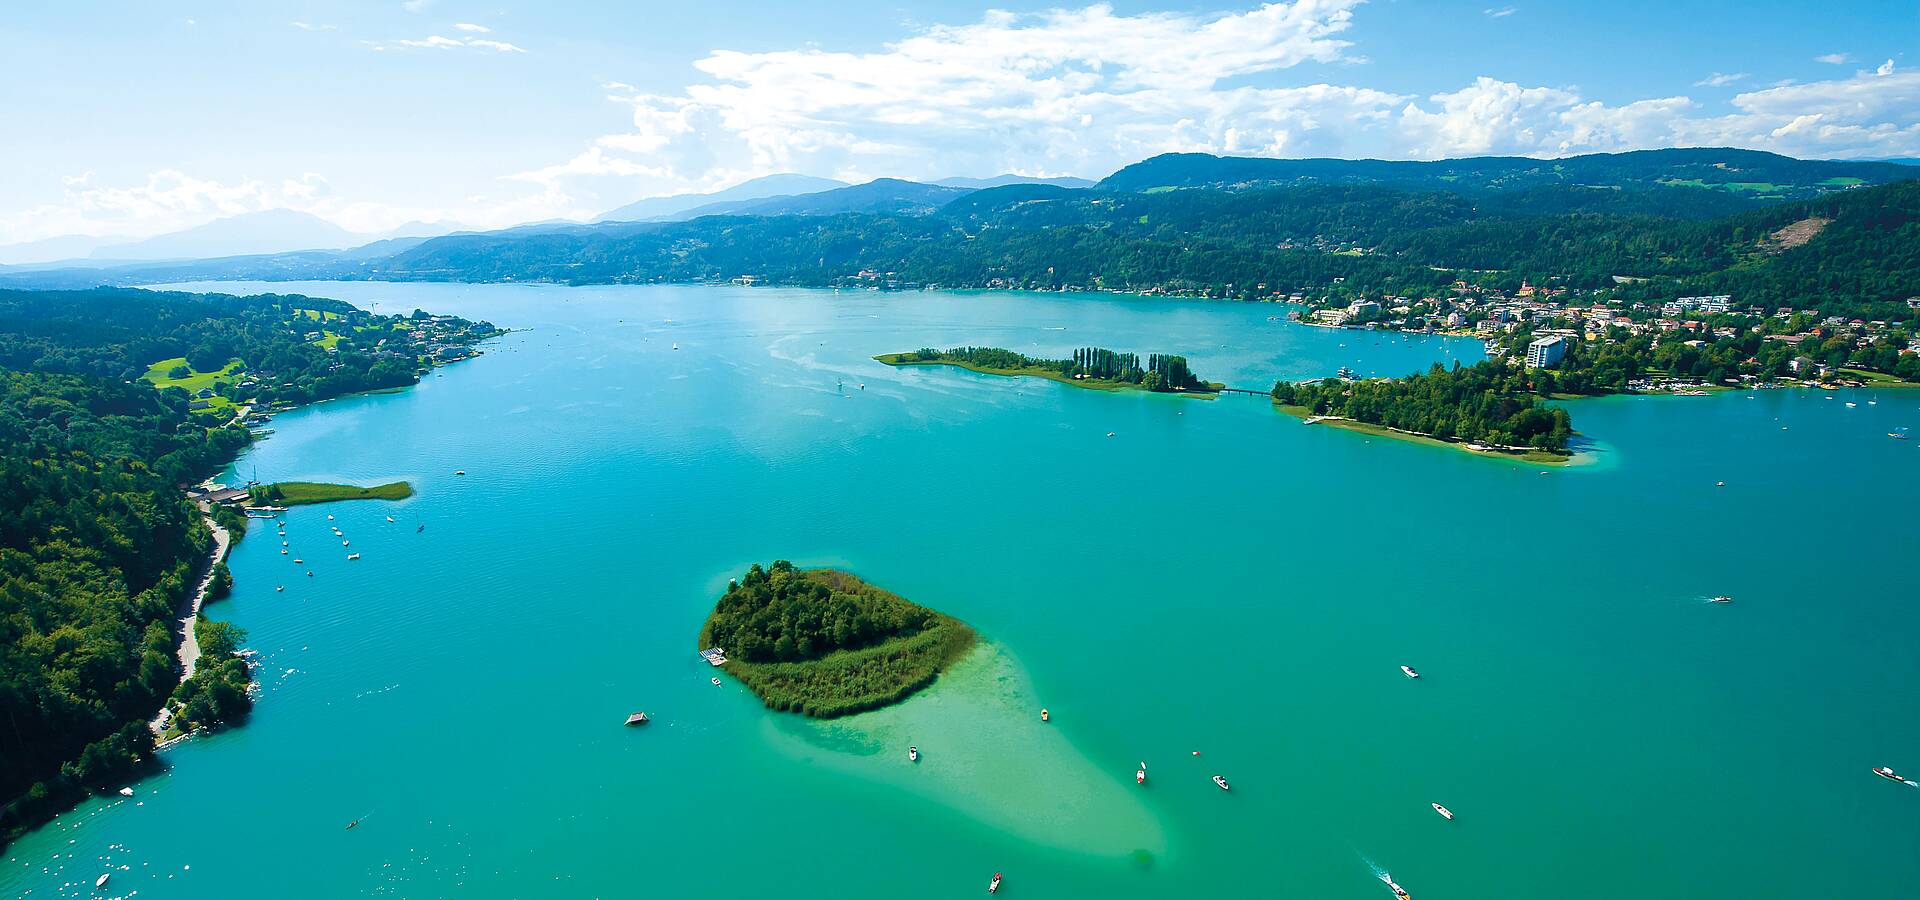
pixel 1500 12
pixel 1886 68
pixel 1085 91
pixel 414 6
pixel 1834 59
pixel 470 27
pixel 309 26
pixel 442 42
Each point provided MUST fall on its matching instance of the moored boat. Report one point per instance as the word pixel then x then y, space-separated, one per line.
pixel 1043 714
pixel 101 882
pixel 1443 811
pixel 353 556
pixel 1222 782
pixel 913 754
pixel 1410 672
pixel 126 792
pixel 1889 774
pixel 638 718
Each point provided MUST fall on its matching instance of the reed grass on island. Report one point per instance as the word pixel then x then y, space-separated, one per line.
pixel 298 493
pixel 823 643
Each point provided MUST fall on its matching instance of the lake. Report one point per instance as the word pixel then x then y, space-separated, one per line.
pixel 1169 576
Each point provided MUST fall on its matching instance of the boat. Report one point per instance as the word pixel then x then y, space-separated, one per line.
pixel 1410 672
pixel 1898 434
pixel 353 556
pixel 389 518
pixel 1140 777
pixel 283 551
pixel 126 792
pixel 101 882
pixel 638 718
pixel 423 527
pixel 279 587
pixel 1852 405
pixel 329 517
pixel 1444 812
pixel 1721 599
pixel 913 754
pixel 1222 782
pixel 345 543
pixel 994 885
pixel 459 471
pixel 1043 714
pixel 716 682
pixel 676 346
pixel 298 561
pixel 1398 891
pixel 1889 774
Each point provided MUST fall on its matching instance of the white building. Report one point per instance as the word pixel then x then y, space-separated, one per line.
pixel 1546 352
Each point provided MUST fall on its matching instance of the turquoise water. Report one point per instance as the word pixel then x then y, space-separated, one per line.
pixel 1213 577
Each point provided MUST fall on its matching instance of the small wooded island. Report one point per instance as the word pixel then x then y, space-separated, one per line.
pixel 823 643
pixel 1090 367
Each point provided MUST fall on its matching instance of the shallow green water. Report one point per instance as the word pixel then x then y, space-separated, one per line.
pixel 1213 576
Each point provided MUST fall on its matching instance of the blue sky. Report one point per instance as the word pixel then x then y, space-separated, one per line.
pixel 135 118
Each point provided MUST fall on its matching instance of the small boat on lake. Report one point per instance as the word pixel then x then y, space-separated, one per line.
pixel 1720 599
pixel 1889 774
pixel 353 556
pixel 1410 672
pixel 1140 777
pixel 638 718
pixel 298 561
pixel 716 682
pixel 913 754
pixel 101 882
pixel 994 885
pixel 1398 891
pixel 459 471
pixel 1043 714
pixel 1898 434
pixel 1222 782
pixel 279 587
pixel 1444 812
pixel 389 518
pixel 126 792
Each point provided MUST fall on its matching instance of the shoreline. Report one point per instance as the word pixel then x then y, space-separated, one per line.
pixel 187 650
pixel 897 361
pixel 1518 455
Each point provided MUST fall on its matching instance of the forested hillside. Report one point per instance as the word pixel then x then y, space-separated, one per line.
pixel 98 545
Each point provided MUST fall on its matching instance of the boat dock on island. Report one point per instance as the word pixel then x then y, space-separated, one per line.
pixel 714 656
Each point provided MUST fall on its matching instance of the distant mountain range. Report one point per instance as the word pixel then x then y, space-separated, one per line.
pixel 1751 174
pixel 1667 220
pixel 655 209
pixel 247 234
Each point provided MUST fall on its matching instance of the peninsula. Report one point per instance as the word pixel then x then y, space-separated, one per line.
pixel 823 643
pixel 299 493
pixel 1486 408
pixel 1090 367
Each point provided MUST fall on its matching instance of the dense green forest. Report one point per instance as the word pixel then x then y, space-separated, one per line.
pixel 98 546
pixel 1160 372
pixel 1316 239
pixel 824 643
pixel 1487 403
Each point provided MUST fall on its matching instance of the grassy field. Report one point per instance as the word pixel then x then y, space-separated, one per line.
pixel 298 493
pixel 1842 181
pixel 1537 457
pixel 1094 384
pixel 852 681
pixel 1879 379
pixel 319 315
pixel 327 341
pixel 157 375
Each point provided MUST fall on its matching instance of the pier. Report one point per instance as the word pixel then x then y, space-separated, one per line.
pixel 1228 390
